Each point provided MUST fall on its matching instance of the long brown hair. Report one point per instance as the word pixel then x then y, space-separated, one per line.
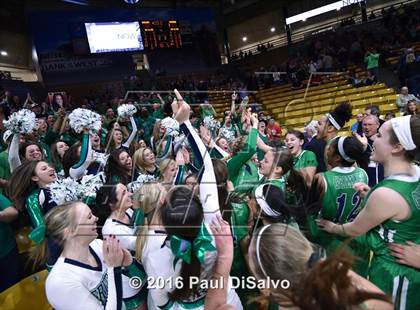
pixel 56 159
pixel 295 181
pixel 110 138
pixel 21 184
pixel 114 168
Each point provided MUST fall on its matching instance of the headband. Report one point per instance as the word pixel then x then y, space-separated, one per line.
pixel 401 127
pixel 259 196
pixel 257 247
pixel 341 150
pixel 333 121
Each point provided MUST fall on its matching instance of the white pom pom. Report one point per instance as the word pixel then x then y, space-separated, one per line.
pixel 171 126
pixel 89 184
pixel 227 134
pixel 180 141
pixel 100 158
pixel 126 110
pixel 22 121
pixel 65 190
pixel 84 118
pixel 211 124
pixel 142 179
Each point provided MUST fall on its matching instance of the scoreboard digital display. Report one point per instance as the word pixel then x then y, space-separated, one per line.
pixel 158 34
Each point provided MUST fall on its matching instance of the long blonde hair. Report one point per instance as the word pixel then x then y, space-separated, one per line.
pixel 164 165
pixel 56 221
pixel 148 199
pixel 138 159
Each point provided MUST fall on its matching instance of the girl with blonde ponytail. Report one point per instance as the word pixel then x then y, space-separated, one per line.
pixel 90 273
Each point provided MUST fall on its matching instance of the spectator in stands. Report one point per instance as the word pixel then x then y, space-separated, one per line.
pixel 412 72
pixel 375 171
pixel 374 110
pixel 412 108
pixel 273 130
pixel 316 79
pixel 353 79
pixel 372 61
pixel 404 98
pixel 357 127
pixel 309 132
pixel 370 79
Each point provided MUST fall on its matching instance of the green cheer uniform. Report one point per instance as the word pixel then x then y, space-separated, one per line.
pixel 400 281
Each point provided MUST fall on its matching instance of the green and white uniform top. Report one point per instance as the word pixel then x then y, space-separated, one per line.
pixel 125 233
pixel 341 203
pixel 305 159
pixel 400 281
pixel 158 261
pixel 398 231
pixel 74 285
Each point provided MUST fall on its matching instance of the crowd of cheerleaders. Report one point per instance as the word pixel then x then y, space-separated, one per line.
pixel 204 207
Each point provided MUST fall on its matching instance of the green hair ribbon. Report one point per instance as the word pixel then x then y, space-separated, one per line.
pixel 183 249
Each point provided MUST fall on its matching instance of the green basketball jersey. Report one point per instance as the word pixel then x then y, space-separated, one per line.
pixel 398 231
pixel 305 159
pixel 400 281
pixel 341 203
pixel 280 183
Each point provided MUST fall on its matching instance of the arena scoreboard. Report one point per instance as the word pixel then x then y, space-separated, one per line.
pixel 158 34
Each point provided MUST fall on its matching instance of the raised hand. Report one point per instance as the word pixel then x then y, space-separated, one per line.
pixel 186 155
pixel 254 120
pixel 362 138
pixel 205 135
pixel 183 112
pixel 234 96
pixel 174 106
